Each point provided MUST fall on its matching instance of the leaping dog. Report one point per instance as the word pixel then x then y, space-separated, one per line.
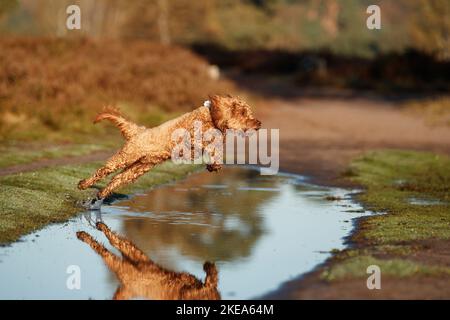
pixel 146 147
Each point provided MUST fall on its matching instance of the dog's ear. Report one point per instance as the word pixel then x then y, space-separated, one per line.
pixel 217 111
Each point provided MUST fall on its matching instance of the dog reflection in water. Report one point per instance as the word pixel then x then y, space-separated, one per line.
pixel 140 277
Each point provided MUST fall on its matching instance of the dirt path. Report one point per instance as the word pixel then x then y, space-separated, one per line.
pixel 44 163
pixel 318 137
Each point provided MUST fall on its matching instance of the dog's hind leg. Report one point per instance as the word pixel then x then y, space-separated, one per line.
pixel 111 260
pixel 122 294
pixel 128 175
pixel 120 267
pixel 118 161
pixel 125 246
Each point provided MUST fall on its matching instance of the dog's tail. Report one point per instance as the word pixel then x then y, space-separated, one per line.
pixel 127 128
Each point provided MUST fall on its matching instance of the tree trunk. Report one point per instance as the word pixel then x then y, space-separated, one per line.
pixel 163 22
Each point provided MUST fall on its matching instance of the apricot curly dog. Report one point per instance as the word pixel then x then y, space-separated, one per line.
pixel 140 277
pixel 146 147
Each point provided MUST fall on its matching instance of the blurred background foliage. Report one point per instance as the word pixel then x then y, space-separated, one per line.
pixel 335 25
pixel 158 58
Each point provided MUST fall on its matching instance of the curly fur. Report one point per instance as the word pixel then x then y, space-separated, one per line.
pixel 146 147
pixel 140 277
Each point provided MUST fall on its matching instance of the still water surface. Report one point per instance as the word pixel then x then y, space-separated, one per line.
pixel 259 230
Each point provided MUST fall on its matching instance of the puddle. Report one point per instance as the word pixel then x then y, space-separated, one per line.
pixel 260 230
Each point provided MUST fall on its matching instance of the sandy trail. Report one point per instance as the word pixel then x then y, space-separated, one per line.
pixel 318 137
pixel 44 163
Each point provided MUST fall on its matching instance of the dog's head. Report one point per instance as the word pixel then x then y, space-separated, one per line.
pixel 232 113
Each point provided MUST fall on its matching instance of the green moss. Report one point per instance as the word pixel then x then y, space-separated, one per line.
pixel 398 250
pixel 31 200
pixel 392 179
pixel 356 267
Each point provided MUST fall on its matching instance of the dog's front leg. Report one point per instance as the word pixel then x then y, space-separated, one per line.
pixel 116 162
pixel 213 167
pixel 216 159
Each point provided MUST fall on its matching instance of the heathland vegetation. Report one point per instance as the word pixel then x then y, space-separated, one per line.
pixel 52 88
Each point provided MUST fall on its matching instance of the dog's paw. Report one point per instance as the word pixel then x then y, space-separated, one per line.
pixel 213 167
pixel 209 267
pixel 82 185
pixel 83 236
pixel 101 226
pixel 93 204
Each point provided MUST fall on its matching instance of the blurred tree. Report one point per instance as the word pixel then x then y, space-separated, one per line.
pixel 7 6
pixel 188 20
pixel 430 27
pixel 330 17
pixel 48 17
pixel 163 22
pixel 242 24
pixel 339 26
